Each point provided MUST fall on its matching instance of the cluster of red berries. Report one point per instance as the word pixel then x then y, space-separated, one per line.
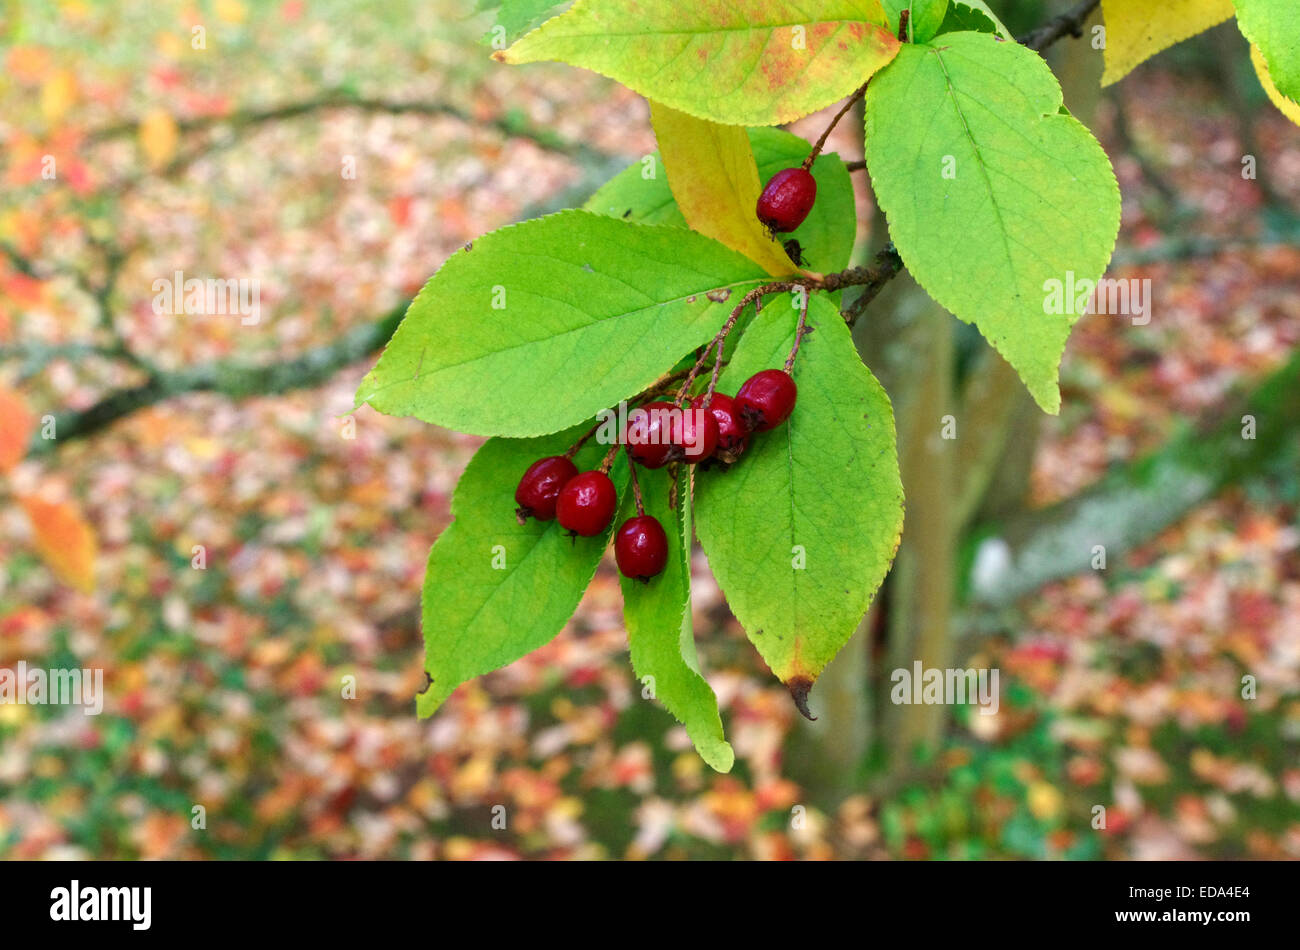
pixel 584 502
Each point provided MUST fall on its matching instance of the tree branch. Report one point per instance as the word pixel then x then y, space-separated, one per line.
pixel 872 278
pixel 231 378
pixel 1134 503
pixel 247 118
pixel 1069 23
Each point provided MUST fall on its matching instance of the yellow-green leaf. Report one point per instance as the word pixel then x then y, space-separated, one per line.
pixel 714 180
pixel 1274 27
pixel 746 62
pixel 1289 107
pixel 1138 29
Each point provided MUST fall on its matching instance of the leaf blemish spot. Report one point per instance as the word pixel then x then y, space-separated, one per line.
pixel 720 295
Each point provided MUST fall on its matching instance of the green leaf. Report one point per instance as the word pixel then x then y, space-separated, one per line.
pixel 802 529
pixel 660 634
pixel 962 17
pixel 1274 26
pixel 999 27
pixel 746 62
pixel 517 17
pixel 640 194
pixel 494 590
pixel 991 192
pixel 540 325
pixel 924 17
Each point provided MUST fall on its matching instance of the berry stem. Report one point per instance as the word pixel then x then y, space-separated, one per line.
pixel 577 446
pixel 608 461
pixel 636 486
pixel 754 296
pixel 802 331
pixel 821 142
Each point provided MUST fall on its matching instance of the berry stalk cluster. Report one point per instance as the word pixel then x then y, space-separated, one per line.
pixel 708 428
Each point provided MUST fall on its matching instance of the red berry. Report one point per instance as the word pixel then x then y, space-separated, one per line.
pixel 696 438
pixel 541 485
pixel 766 399
pixel 641 547
pixel 649 433
pixel 787 198
pixel 733 434
pixel 586 503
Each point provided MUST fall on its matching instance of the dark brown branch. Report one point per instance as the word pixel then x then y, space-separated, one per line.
pixel 1069 23
pixel 872 278
pixel 246 118
pixel 230 378
pixel 1132 504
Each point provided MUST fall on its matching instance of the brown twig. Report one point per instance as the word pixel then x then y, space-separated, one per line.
pixel 800 332
pixel 1069 23
pixel 871 279
pixel 775 287
pixel 636 485
pixel 821 142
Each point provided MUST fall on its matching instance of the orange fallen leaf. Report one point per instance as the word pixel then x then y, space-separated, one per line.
pixel 16 425
pixel 65 540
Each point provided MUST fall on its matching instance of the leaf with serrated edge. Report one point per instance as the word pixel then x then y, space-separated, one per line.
pixel 660 635
pixel 1032 198
pixel 594 310
pixel 826 480
pixel 1138 29
pixel 1274 27
pixel 1288 107
pixel 826 236
pixel 742 62
pixel 478 616
pixel 923 20
pixel 714 180
pixel 962 16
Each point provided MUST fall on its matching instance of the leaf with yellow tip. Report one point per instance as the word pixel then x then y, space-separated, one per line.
pixel 714 180
pixel 1138 29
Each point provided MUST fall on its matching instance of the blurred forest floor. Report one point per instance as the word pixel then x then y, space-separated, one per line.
pixel 1120 687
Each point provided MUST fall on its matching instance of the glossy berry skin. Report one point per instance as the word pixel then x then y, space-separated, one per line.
pixel 733 434
pixel 786 199
pixel 641 548
pixel 766 399
pixel 586 503
pixel 540 487
pixel 649 442
pixel 697 438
